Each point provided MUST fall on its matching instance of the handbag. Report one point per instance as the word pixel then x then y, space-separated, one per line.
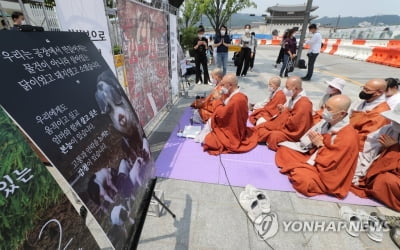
pixel 290 65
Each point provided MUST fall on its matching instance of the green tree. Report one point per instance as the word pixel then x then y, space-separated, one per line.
pixel 191 13
pixel 219 12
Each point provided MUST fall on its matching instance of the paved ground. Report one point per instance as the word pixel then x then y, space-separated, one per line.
pixel 208 216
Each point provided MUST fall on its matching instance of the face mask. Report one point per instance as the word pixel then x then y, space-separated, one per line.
pixel 200 36
pixel 214 81
pixel 23 22
pixel 271 89
pixel 224 91
pixel 247 31
pixel 330 91
pixel 288 93
pixel 365 96
pixel 396 126
pixel 223 32
pixel 327 116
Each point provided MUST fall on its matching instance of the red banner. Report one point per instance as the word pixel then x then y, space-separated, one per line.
pixel 146 57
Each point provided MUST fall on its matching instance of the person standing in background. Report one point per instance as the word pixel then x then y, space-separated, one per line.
pixel 200 46
pixel 289 46
pixel 222 42
pixel 253 35
pixel 246 53
pixel 279 59
pixel 18 20
pixel 315 47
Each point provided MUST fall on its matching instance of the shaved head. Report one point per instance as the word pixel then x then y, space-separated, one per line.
pixel 276 81
pixel 294 83
pixel 339 103
pixel 376 84
pixel 231 79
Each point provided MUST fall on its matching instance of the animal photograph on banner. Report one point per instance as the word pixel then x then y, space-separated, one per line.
pixel 35 213
pixel 60 90
pixel 145 42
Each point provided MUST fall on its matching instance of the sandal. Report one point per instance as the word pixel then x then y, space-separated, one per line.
pixel 353 219
pixel 261 196
pixel 395 235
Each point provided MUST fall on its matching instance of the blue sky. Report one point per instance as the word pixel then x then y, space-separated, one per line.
pixel 333 8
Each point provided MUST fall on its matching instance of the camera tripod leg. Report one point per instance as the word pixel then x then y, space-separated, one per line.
pixel 163 205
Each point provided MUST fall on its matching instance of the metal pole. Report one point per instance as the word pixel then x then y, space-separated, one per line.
pixel 45 16
pixel 304 30
pixel 28 21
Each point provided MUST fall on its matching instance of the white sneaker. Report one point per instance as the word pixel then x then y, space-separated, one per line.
pixel 262 197
pixel 199 82
pixel 210 83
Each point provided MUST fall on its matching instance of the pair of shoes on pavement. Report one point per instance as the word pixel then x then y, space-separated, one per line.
pixel 257 204
pixel 199 82
pixel 394 224
pixel 359 220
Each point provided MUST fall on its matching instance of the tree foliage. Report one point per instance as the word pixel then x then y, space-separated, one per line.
pixel 219 12
pixel 191 13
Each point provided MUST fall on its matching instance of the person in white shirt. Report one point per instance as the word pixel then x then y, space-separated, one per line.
pixel 246 53
pixel 315 46
pixel 392 92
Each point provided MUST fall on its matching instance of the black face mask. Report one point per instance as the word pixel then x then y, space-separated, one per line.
pixel 365 96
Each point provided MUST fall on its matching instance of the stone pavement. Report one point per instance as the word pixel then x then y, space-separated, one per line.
pixel 208 216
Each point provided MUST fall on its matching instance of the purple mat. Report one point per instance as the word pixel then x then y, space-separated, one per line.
pixel 184 159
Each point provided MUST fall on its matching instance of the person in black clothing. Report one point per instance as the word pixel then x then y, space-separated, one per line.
pixel 222 42
pixel 290 47
pixel 253 36
pixel 200 45
pixel 18 20
pixel 279 59
pixel 246 53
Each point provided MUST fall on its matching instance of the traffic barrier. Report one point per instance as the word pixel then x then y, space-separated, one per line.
pixel 276 42
pixel 394 43
pixel 379 55
pixel 362 53
pixel 393 58
pixel 263 41
pixel 324 45
pixel 335 47
pixel 359 42
pixel 236 41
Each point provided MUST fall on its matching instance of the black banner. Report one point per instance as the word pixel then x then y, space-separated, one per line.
pixel 60 90
pixel 35 214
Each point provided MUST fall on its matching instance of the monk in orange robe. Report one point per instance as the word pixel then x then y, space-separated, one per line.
pixel 382 179
pixel 328 157
pixel 204 106
pixel 335 87
pixel 365 115
pixel 270 107
pixel 293 120
pixel 229 133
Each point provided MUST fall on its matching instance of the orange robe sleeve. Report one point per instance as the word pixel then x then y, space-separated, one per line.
pixel 206 109
pixel 317 117
pixel 366 122
pixel 270 109
pixel 382 181
pixel 333 170
pixel 298 122
pixel 230 133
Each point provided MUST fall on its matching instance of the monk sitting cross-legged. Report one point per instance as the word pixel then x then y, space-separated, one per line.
pixel 263 112
pixel 292 121
pixel 365 115
pixel 203 107
pixel 381 179
pixel 325 158
pixel 226 130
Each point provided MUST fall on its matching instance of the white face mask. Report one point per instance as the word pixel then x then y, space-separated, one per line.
pixel 330 91
pixel 327 115
pixel 271 89
pixel 23 22
pixel 247 31
pixel 223 32
pixel 200 36
pixel 396 127
pixel 214 81
pixel 224 91
pixel 288 93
